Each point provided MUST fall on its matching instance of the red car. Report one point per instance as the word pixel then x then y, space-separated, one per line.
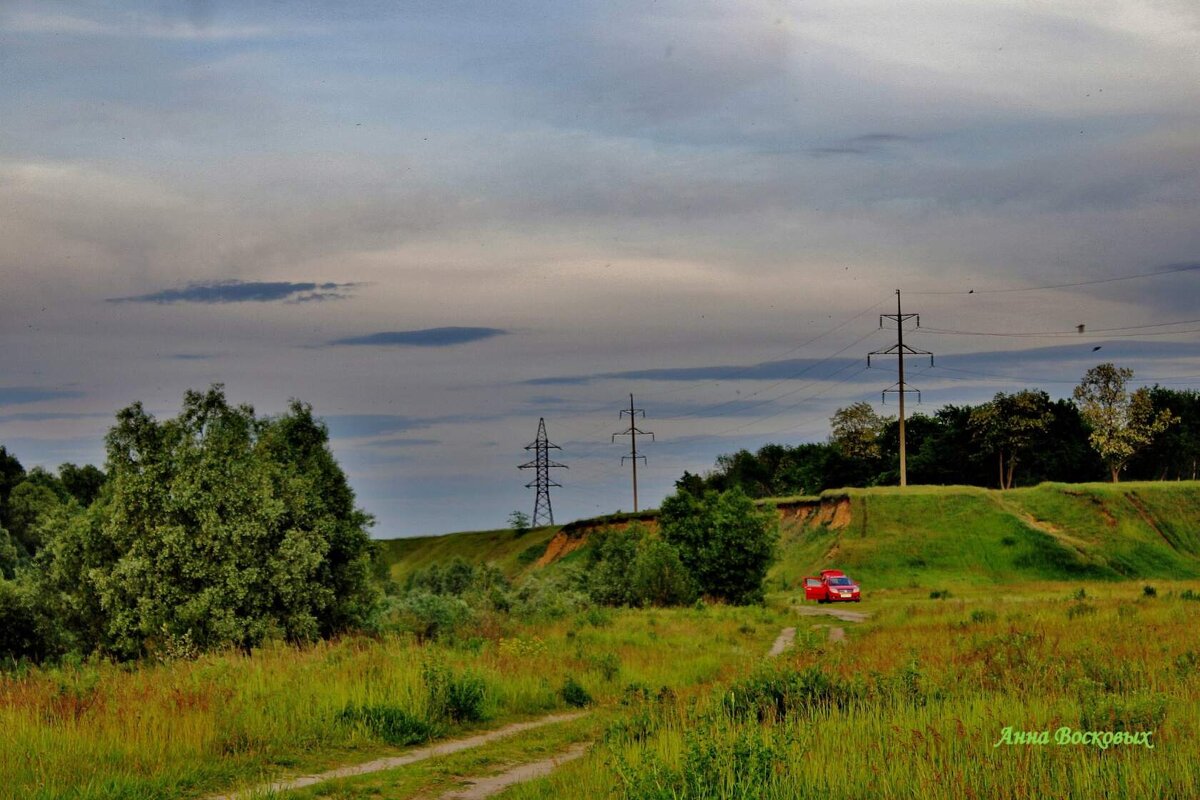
pixel 832 587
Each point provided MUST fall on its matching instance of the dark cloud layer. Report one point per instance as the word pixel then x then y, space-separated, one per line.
pixel 428 337
pixel 21 395
pixel 235 291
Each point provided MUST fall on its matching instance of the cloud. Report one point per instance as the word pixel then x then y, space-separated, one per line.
pixel 235 291
pixel 356 426
pixel 866 144
pixel 21 395
pixel 766 371
pixel 428 337
pixel 33 416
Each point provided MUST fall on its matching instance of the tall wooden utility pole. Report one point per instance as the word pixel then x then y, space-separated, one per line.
pixel 900 350
pixel 632 432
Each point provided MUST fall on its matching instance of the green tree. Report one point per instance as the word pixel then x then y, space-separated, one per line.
pixel 1121 422
pixel 855 431
pixel 30 503
pixel 724 541
pixel 1009 426
pixel 659 577
pixel 519 522
pixel 82 483
pixel 216 524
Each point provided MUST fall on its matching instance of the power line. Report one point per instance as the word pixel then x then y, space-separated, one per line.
pixel 1170 270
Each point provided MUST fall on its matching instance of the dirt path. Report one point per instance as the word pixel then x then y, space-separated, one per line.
pixel 420 754
pixel 824 611
pixel 494 784
pixel 782 642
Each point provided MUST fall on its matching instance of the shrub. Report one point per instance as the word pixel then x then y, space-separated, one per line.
pixel 433 616
pixel 724 541
pixel 573 693
pixel 607 664
pixel 392 724
pixel 453 698
pixel 1188 594
pixel 939 594
pixel 1080 610
pixel 775 692
pixel 1149 591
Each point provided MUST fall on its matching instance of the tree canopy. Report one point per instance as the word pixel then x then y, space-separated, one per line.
pixel 1121 422
pixel 216 525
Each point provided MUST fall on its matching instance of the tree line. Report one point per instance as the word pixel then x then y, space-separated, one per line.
pixel 1104 432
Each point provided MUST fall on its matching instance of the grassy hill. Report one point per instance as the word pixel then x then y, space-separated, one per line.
pixel 921 535
pixel 512 553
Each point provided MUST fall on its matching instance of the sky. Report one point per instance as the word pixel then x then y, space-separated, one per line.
pixel 437 222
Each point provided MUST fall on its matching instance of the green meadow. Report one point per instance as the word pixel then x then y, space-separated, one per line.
pixel 1034 610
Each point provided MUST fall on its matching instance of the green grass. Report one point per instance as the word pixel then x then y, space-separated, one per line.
pixel 965 535
pixel 513 554
pixel 187 728
pixel 927 535
pixel 916 699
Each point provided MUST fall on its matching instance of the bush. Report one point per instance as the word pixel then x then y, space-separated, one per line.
pixel 775 692
pixel 573 693
pixel 1149 591
pixel 392 724
pixel 939 594
pixel 433 616
pixel 454 698
pixel 1188 594
pixel 724 541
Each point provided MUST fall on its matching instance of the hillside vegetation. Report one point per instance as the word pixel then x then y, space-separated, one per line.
pixel 920 536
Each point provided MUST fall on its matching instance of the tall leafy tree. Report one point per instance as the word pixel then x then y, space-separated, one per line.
pixel 1121 422
pixel 216 524
pixel 1009 426
pixel 724 541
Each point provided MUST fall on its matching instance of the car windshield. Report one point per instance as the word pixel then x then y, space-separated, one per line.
pixel 842 581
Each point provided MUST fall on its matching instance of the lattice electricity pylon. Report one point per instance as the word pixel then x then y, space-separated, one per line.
pixel 543 514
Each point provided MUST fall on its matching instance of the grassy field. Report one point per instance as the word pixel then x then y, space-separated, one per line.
pixel 914 702
pixel 987 610
pixel 189 727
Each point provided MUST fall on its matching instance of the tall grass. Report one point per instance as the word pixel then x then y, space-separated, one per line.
pixel 913 705
pixel 181 729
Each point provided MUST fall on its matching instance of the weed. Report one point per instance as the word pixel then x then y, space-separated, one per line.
pixel 392 724
pixel 573 693
pixel 454 698
pixel 1080 610
pixel 607 664
pixel 1188 594
pixel 981 615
